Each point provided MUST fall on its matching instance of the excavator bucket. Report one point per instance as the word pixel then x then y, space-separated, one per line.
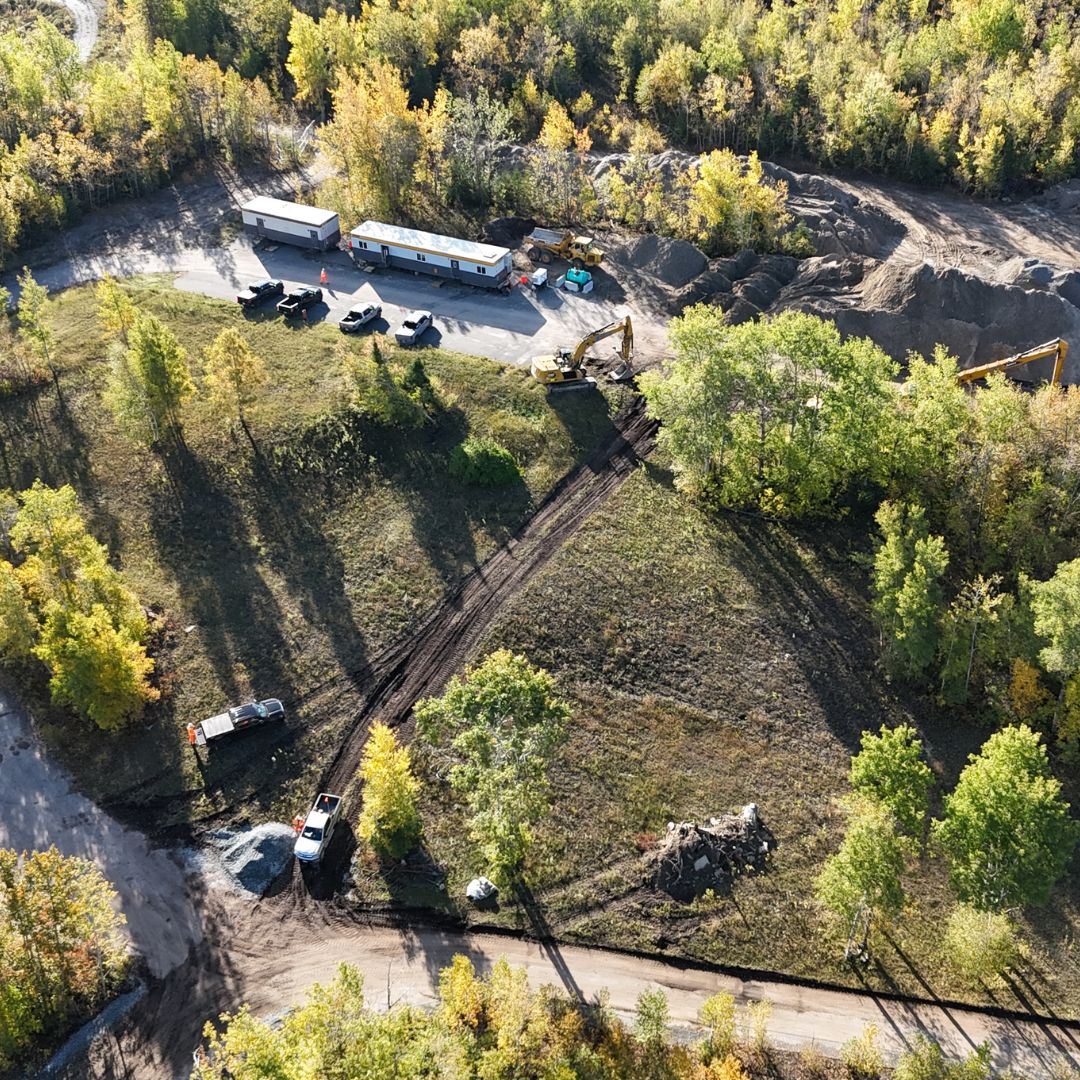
pixel 621 373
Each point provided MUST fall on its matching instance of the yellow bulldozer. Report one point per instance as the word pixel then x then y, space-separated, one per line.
pixel 1058 348
pixel 544 245
pixel 566 369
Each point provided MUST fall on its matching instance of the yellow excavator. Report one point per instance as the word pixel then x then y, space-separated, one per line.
pixel 566 368
pixel 1057 348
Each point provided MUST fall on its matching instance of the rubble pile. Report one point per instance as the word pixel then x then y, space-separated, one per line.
pixel 691 858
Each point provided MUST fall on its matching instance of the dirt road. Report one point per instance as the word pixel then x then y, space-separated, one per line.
pixel 271 961
pixel 947 229
pixel 86 25
pixel 38 807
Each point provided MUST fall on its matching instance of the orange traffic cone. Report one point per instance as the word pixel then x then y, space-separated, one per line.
pixel 324 277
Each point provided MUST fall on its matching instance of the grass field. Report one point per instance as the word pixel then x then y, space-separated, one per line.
pixel 274 574
pixel 710 663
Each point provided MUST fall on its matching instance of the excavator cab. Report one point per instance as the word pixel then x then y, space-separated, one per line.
pixel 560 371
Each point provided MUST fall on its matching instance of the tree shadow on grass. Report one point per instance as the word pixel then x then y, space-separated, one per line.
pixel 293 536
pixel 827 635
pixel 586 415
pixel 42 438
pixel 206 544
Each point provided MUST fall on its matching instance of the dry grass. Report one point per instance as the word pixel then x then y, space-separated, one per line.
pixel 273 580
pixel 712 663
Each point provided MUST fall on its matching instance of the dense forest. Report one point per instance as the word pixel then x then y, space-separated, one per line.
pixel 977 93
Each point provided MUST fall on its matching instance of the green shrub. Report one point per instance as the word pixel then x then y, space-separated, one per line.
pixel 484 463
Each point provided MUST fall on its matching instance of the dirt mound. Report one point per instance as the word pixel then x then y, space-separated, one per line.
pixel 253 858
pixel 841 224
pixel 904 308
pixel 692 858
pixel 674 262
pixel 508 232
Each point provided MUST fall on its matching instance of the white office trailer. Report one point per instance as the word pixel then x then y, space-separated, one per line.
pixel 291 223
pixel 429 253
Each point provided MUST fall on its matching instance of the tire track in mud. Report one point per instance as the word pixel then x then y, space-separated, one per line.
pixel 421 665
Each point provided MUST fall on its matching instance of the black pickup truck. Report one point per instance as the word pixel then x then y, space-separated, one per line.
pixel 299 300
pixel 258 291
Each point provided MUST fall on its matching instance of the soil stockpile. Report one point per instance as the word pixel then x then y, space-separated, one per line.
pixel 904 308
pixel 690 858
pixel 508 232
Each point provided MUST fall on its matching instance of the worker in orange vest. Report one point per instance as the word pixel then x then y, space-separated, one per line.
pixel 324 277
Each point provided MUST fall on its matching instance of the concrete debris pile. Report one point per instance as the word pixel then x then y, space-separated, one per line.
pixel 690 858
pixel 252 858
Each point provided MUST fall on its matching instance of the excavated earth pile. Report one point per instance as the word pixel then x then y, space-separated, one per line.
pixel 690 859
pixel 896 282
pixel 905 308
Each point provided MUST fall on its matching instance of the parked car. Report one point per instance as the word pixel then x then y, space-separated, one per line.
pixel 359 316
pixel 258 291
pixel 299 300
pixel 413 327
pixel 317 828
pixel 237 718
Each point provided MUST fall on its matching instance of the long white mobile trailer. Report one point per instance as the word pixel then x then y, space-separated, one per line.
pixel 291 223
pixel 429 253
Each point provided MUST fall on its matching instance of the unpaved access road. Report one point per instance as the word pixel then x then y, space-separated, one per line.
pixel 947 229
pixel 38 807
pixel 86 25
pixel 271 961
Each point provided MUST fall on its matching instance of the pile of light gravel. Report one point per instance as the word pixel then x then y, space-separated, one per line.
pixel 252 858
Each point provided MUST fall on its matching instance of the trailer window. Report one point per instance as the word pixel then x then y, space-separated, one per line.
pixel 454 264
pixel 481 269
pixel 421 257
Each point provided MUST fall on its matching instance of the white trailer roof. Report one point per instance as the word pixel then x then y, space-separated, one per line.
pixel 289 211
pixel 430 243
pixel 217 725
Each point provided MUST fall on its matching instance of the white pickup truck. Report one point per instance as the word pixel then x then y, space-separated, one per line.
pixel 318 827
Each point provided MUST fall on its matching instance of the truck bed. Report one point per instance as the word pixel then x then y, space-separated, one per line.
pixel 545 236
pixel 214 727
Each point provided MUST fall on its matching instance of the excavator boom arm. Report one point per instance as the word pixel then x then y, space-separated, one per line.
pixel 1057 348
pixel 623 326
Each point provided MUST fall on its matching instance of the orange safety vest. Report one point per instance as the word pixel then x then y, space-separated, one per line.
pixel 191 734
pixel 297 823
pixel 324 277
